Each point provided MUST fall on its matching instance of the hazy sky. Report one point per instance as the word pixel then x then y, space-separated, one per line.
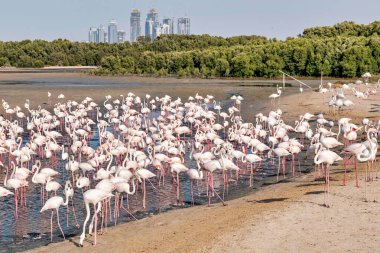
pixel 71 19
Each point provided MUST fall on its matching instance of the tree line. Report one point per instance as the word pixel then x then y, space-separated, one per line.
pixel 343 50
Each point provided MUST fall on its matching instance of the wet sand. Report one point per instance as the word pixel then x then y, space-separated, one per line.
pixel 288 216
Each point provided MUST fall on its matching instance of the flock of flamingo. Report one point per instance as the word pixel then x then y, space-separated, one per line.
pixel 153 140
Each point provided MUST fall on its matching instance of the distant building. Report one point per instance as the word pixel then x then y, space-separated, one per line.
pixel 101 35
pixel 135 25
pixel 183 26
pixel 152 24
pixel 112 32
pixel 157 31
pixel 165 29
pixel 92 35
pixel 167 26
pixel 121 36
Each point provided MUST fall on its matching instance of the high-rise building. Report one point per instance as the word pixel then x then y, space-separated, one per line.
pixel 92 35
pixel 152 24
pixel 112 32
pixel 168 26
pixel 121 36
pixel 135 25
pixel 183 26
pixel 165 29
pixel 101 35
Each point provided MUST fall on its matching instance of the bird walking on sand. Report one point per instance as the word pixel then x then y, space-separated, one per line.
pixel 54 203
pixel 327 158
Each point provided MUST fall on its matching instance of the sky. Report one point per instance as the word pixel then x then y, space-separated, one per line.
pixel 71 19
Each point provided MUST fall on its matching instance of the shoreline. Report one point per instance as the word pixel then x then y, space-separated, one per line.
pixel 82 71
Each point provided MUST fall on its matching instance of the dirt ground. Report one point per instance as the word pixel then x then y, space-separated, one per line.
pixel 283 217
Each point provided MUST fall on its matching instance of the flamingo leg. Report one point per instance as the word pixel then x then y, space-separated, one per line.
pixel 51 226
pixel 96 223
pixel 59 225
pixel 192 192
pixel 356 173
pixel 279 166
pixel 144 193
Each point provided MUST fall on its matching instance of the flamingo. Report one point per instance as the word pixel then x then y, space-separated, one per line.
pixel 4 192
pixel 194 174
pixel 94 197
pixel 52 204
pixel 15 184
pixel 251 159
pixel 178 168
pixel 142 175
pixel 327 158
pixel 280 153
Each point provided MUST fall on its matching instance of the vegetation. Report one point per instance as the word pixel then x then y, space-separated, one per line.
pixel 343 50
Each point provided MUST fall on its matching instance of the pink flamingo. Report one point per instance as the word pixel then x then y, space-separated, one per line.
pixel 327 158
pixel 95 197
pixel 54 203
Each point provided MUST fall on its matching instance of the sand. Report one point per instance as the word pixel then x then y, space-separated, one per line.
pixel 284 217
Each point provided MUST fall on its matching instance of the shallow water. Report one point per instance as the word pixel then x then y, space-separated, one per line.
pixel 32 228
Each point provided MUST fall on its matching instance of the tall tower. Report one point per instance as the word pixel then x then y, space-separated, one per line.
pixel 92 35
pixel 112 32
pixel 101 34
pixel 135 25
pixel 168 25
pixel 183 26
pixel 120 36
pixel 152 25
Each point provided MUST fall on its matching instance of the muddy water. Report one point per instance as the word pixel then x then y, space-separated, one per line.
pixel 32 228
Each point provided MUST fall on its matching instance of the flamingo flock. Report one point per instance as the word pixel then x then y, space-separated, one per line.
pixel 151 142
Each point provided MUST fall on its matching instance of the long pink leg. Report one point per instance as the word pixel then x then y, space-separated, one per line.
pixel 345 171
pixel 279 166
pixel 59 225
pixel 51 226
pixel 192 192
pixel 67 217
pixel 328 185
pixel 144 193
pixel 177 188
pixel 96 223
pixel 75 216
pixel 356 173
pixel 16 203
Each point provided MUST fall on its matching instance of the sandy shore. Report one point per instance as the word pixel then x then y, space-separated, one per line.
pixel 285 217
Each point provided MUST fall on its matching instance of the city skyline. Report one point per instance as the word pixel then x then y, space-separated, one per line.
pixel 40 19
pixel 112 34
pixel 153 28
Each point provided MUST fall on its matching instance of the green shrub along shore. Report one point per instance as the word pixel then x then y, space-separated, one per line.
pixel 343 50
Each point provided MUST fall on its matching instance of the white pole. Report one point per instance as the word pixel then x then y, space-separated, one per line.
pixel 295 79
pixel 321 79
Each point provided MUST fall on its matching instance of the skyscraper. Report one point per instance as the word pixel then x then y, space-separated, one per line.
pixel 168 26
pixel 121 36
pixel 152 25
pixel 101 34
pixel 165 29
pixel 135 25
pixel 92 35
pixel 183 26
pixel 112 32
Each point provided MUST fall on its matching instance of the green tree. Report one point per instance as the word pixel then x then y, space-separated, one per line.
pixel 111 63
pixel 4 61
pixel 241 65
pixel 222 67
